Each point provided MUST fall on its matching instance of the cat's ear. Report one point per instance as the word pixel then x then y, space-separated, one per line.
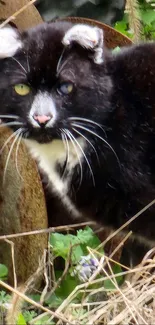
pixel 9 41
pixel 88 37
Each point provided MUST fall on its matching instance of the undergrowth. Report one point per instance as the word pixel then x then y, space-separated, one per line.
pixel 138 22
pixel 82 285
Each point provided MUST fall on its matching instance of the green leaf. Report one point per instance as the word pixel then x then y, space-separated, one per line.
pixel 44 321
pixel 63 291
pixel 121 26
pixel 21 320
pixel 88 237
pixel 85 235
pixel 3 271
pixel 29 315
pixel 54 301
pixel 4 297
pixel 116 49
pixel 62 245
pixel 77 252
pixel 148 16
pixel 66 287
pixel 108 284
pixel 35 297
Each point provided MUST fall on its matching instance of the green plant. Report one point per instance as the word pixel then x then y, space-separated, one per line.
pixel 4 297
pixel 139 20
pixel 73 249
pixel 3 272
pixel 80 256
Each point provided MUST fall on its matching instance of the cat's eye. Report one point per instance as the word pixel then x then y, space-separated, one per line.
pixel 22 89
pixel 65 88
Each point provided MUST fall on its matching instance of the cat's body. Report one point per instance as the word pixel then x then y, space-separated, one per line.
pixel 87 106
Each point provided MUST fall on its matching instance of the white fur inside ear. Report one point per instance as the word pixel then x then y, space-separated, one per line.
pixel 87 36
pixel 9 42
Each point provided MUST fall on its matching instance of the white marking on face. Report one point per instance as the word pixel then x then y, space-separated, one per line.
pixel 88 37
pixel 48 155
pixel 43 104
pixel 9 42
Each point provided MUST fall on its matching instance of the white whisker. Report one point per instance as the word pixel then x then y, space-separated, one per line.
pixel 66 145
pixel 98 136
pixel 7 141
pixel 16 157
pixel 69 135
pixel 8 116
pixel 16 134
pixel 88 142
pixel 13 58
pixel 10 124
pixel 86 159
pixel 74 118
pixel 63 65
pixel 59 62
pixel 28 65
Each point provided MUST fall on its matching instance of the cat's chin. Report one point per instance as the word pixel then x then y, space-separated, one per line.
pixel 43 137
pixel 43 140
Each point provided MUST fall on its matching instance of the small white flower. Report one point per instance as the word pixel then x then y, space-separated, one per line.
pixel 86 267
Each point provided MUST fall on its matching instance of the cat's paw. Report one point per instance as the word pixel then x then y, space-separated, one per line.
pixel 88 37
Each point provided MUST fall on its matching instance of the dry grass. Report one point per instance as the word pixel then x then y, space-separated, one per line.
pixel 132 303
pixel 132 9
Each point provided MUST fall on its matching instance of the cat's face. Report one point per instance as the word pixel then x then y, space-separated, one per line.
pixel 46 85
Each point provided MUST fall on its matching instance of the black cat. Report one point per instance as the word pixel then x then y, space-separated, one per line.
pixel 88 117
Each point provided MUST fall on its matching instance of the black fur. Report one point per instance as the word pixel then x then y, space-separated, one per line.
pixel 119 95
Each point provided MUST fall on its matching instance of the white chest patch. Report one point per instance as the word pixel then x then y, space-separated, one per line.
pixel 48 156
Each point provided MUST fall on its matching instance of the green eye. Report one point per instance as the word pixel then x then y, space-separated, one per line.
pixel 65 88
pixel 22 89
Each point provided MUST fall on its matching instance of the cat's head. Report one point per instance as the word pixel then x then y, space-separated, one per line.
pixel 50 78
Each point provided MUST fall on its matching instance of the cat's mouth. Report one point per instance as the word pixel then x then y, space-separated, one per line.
pixel 42 135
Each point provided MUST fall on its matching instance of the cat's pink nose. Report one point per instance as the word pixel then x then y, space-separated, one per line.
pixel 42 119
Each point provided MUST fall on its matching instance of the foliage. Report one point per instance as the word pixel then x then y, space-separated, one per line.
pixel 21 320
pixel 62 244
pixel 144 11
pixel 78 266
pixel 81 264
pixel 4 297
pixel 3 272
